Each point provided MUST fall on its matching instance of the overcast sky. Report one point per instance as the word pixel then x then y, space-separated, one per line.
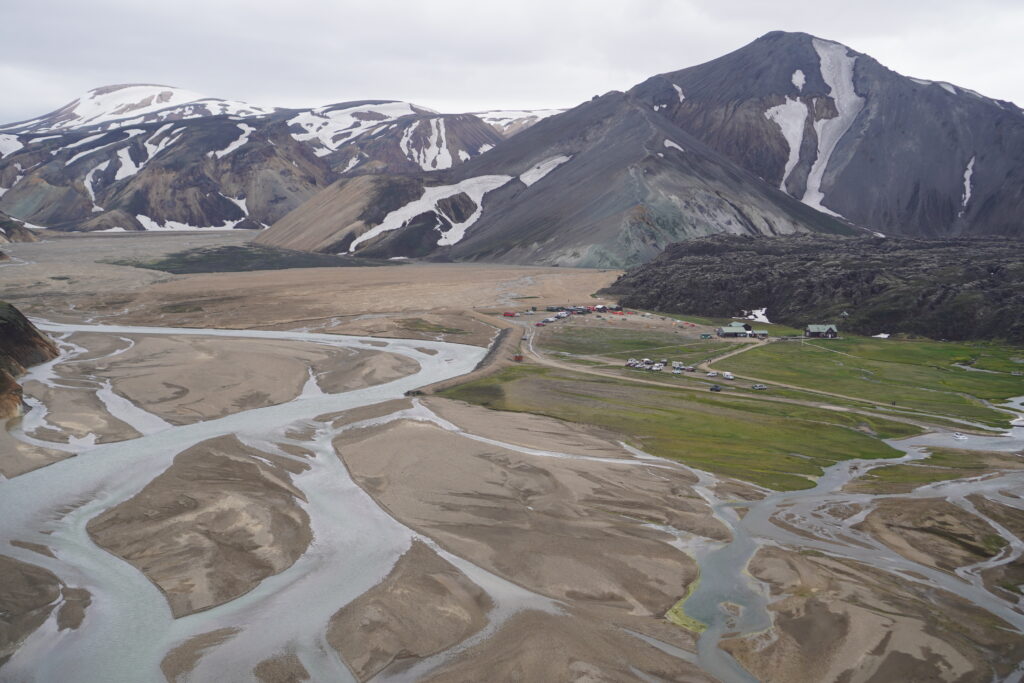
pixel 465 55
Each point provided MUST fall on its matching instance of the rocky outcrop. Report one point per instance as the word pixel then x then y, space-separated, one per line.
pixel 944 289
pixel 21 346
pixel 12 230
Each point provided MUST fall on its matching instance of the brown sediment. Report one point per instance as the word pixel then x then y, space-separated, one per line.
pixel 424 606
pixel 283 669
pixel 27 596
pixel 77 412
pixel 932 532
pixel 179 662
pixel 844 621
pixel 184 378
pixel 17 458
pixel 362 413
pixel 211 527
pixel 574 530
pixel 536 646
pixel 34 547
pixel 72 610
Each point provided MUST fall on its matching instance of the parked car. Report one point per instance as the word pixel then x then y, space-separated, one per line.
pixel 538 324
pixel 715 387
pixel 712 374
pixel 677 371
pixel 728 375
pixel 760 387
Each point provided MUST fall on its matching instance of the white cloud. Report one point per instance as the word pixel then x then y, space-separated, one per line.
pixel 460 55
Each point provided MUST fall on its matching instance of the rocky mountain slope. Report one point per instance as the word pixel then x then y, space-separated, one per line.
pixel 745 144
pixel 157 158
pixel 944 289
pixel 21 346
pixel 844 134
pixel 607 183
pixel 789 134
pixel 12 230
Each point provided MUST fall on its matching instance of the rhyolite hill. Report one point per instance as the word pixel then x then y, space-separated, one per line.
pixel 791 134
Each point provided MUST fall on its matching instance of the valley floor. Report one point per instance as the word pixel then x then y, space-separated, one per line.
pixel 211 454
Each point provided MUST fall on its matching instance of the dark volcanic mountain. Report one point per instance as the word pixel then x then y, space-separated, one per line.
pixel 608 183
pixel 945 289
pixel 844 134
pixel 717 148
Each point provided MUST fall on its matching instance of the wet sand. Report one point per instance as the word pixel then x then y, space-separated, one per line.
pixel 222 518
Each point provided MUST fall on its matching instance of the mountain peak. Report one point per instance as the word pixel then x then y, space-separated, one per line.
pixel 111 106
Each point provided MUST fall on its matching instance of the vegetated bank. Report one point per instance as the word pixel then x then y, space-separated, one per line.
pixel 944 289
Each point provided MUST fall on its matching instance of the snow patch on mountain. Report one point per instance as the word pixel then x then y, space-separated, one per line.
pixel 679 92
pixel 237 201
pixel 352 163
pixel 9 144
pixel 150 224
pixel 799 79
pixel 152 149
pixel 127 167
pixel 837 72
pixel 128 105
pixel 241 140
pixel 671 145
pixel 435 155
pixel 485 147
pixel 331 126
pixel 790 117
pixel 131 132
pixel 88 184
pixel 84 141
pixel 968 174
pixel 474 188
pixel 464 155
pixel 541 169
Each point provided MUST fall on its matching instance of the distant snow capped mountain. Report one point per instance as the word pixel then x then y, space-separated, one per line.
pixel 143 157
pixel 126 105
pixel 508 122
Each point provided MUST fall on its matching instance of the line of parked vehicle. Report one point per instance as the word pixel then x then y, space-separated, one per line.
pixel 562 312
pixel 679 368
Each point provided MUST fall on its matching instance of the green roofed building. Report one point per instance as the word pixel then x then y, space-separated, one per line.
pixel 827 331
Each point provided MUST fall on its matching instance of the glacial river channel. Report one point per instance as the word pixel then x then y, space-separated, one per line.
pixel 128 628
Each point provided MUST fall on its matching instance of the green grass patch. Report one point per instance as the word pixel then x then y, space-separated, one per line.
pixel 942 464
pixel 914 378
pixel 778 445
pixel 427 327
pixel 678 616
pixel 597 341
